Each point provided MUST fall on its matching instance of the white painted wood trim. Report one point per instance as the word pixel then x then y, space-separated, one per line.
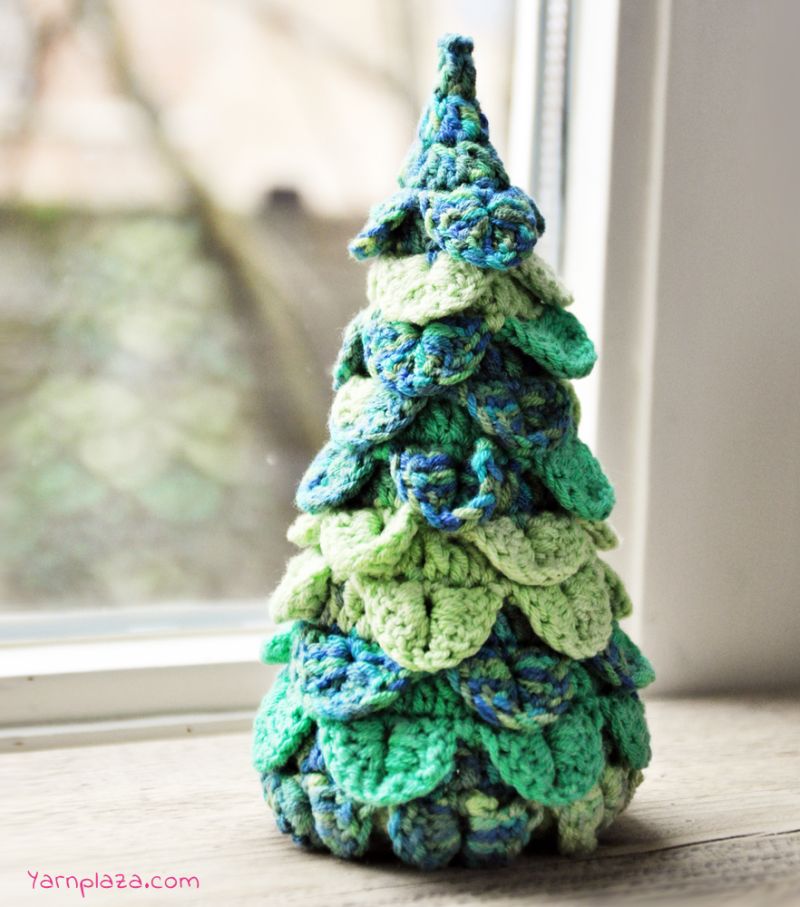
pixel 129 692
pixel 59 671
pixel 106 621
pixel 522 116
pixel 28 738
pixel 589 130
pixel 631 255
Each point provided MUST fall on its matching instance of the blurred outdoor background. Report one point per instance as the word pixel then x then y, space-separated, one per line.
pixel 178 183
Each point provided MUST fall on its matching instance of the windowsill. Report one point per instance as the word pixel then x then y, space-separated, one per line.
pixel 129 654
pixel 718 816
pixel 144 665
pixel 70 688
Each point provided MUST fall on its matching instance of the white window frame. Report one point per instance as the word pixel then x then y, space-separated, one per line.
pixel 579 249
pixel 90 675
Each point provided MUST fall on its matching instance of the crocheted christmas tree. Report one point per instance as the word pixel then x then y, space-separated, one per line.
pixel 457 685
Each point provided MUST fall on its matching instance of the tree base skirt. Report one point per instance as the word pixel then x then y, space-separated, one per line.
pixel 473 819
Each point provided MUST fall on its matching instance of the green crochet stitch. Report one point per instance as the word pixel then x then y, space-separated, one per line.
pixel 457 685
pixel 430 599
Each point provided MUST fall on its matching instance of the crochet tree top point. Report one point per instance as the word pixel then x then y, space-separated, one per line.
pixel 456 197
pixel 456 684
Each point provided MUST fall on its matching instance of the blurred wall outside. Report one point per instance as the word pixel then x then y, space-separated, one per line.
pixel 144 381
pixel 165 367
pixel 257 94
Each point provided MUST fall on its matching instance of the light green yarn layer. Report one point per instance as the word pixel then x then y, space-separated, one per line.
pixel 412 289
pixel 430 599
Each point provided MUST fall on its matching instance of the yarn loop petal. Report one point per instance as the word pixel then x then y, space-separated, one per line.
pixel 556 340
pixel 386 760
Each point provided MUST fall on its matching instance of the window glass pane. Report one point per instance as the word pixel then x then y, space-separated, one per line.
pixel 178 183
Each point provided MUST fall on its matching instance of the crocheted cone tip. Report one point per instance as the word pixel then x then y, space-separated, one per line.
pixel 455 195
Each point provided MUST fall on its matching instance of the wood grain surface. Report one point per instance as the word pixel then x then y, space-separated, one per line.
pixel 716 821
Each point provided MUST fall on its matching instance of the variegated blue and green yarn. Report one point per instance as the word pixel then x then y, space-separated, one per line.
pixel 497 746
pixel 455 195
pixel 457 685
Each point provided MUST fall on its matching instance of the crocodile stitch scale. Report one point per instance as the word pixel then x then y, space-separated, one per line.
pixel 455 681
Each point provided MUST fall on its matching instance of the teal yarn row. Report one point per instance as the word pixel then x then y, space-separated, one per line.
pixel 481 225
pixel 523 435
pixel 388 378
pixel 428 832
pixel 450 494
pixel 514 681
pixel 416 362
pixel 338 786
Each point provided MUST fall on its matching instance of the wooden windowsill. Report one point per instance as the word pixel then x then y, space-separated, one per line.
pixel 718 818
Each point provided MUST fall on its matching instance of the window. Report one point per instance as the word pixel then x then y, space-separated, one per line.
pixel 178 187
